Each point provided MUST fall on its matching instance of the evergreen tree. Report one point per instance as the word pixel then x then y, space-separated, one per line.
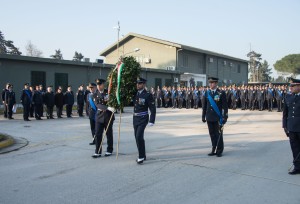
pixel 78 57
pixel 289 64
pixel 265 72
pixel 58 55
pixel 7 46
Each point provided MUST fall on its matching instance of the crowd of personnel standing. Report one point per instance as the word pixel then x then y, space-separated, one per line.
pixel 251 97
pixel 35 99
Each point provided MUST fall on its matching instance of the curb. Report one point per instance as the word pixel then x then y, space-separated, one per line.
pixel 7 142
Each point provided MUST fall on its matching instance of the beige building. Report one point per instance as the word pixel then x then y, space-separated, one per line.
pixel 194 64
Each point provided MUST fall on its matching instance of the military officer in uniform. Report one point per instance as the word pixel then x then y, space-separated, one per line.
pixel 270 97
pixel 26 98
pixel 10 101
pixel 291 121
pixel 69 101
pixel 104 119
pixel 142 102
pixel 91 110
pixel 3 100
pixel 37 101
pixel 80 100
pixel 215 112
pixel 49 100
pixel 59 102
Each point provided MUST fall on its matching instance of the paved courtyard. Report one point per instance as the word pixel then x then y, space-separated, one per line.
pixel 56 166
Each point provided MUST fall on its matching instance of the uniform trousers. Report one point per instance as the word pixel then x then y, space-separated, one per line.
pixel 295 146
pixel 215 136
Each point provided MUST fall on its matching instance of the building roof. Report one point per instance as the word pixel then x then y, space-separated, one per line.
pixel 75 63
pixel 129 36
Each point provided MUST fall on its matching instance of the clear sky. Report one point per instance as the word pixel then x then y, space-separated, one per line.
pixel 224 26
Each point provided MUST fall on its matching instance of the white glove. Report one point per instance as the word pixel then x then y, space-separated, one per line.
pixel 150 124
pixel 111 109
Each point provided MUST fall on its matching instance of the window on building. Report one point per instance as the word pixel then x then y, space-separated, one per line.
pixel 61 79
pixel 239 69
pixel 158 82
pixel 199 83
pixel 38 78
pixel 168 82
pixel 185 61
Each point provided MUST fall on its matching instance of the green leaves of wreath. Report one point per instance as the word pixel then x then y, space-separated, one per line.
pixel 126 88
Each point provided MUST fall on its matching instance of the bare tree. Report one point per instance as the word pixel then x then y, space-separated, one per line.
pixel 31 50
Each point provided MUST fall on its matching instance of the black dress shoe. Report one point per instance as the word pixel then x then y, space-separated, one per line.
pixel 211 154
pixel 107 154
pixel 140 161
pixel 27 120
pixel 294 171
pixel 219 154
pixel 96 156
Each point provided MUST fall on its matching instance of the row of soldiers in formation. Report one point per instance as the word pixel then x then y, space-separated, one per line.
pixel 35 99
pixel 262 97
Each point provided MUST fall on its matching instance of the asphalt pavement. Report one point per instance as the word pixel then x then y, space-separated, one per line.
pixel 56 166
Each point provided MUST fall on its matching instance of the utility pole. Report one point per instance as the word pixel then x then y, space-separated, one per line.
pixel 118 28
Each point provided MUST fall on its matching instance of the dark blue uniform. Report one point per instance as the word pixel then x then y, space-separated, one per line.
pixel 279 94
pixel 80 102
pixel 69 101
pixel 10 101
pixel 291 124
pixel 3 99
pixel 243 98
pixel 260 98
pixel 102 121
pixel 212 118
pixel 91 112
pixel 270 97
pixel 49 100
pixel 142 102
pixel 25 99
pixel 37 101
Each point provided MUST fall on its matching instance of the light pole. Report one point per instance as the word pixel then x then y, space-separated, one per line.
pixel 135 50
pixel 118 28
pixel 177 59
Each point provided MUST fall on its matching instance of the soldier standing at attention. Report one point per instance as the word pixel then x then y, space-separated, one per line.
pixel 31 113
pixel 243 97
pixel 142 102
pixel 59 102
pixel 103 120
pixel 69 101
pixel 49 102
pixel 3 99
pixel 234 97
pixel 91 110
pixel 196 96
pixel 180 97
pixel 260 98
pixel 43 94
pixel 80 100
pixel 158 97
pixel 86 93
pixel 279 97
pixel 37 101
pixel 10 101
pixel 215 112
pixel 270 97
pixel 291 121
pixel 26 98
